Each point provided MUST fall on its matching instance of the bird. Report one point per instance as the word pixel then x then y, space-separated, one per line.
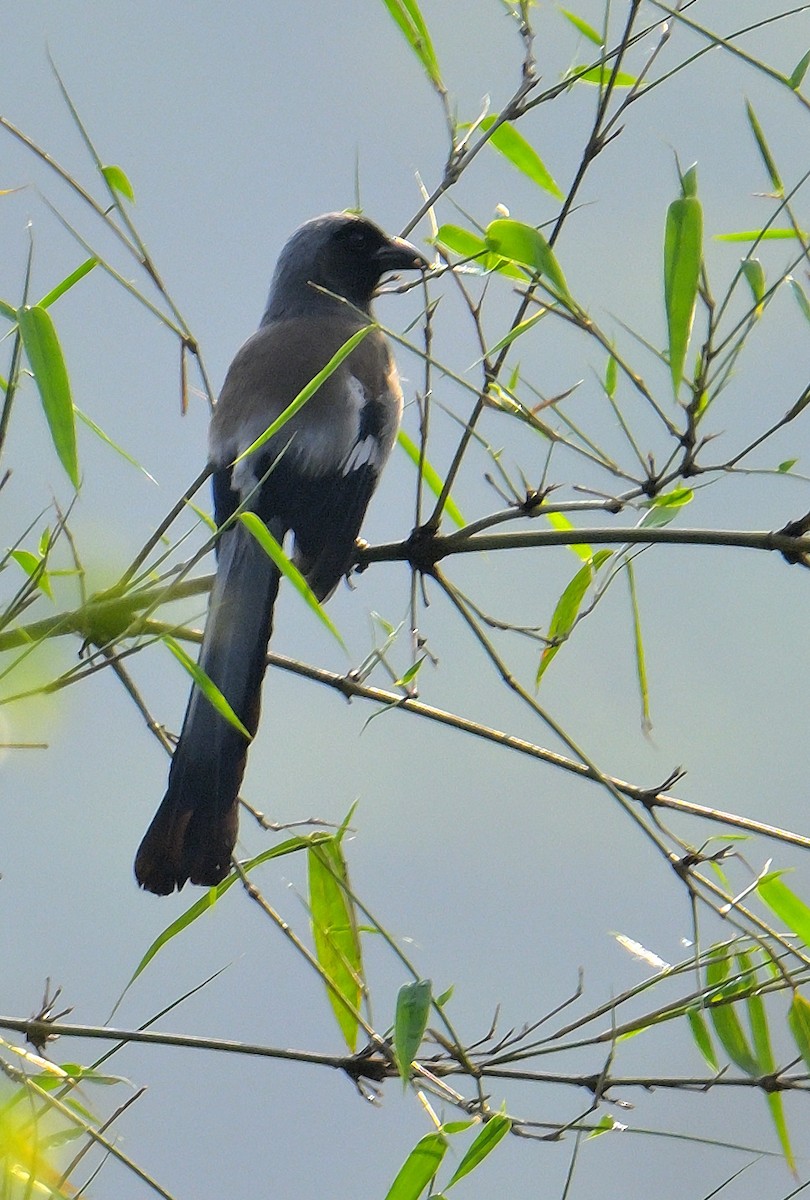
pixel 313 479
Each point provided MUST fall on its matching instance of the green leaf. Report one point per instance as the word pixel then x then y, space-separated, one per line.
pixel 799 1022
pixel 755 278
pixel 50 373
pixel 611 374
pixel 445 996
pixel 525 244
pixel 335 933
pixel 567 609
pixel 411 673
pixel 665 508
pixel 8 310
pixel 561 522
pixel 118 182
pixel 638 643
pixel 68 282
pixel 799 71
pixel 682 258
pixel 787 465
pixel 521 154
pixel 702 1037
pixel 256 526
pixel 786 904
pixel 409 19
pixel 723 1013
pixel 764 150
pixel 584 28
pixel 800 296
pixel 606 1124
pixel 485 1142
pixel 762 235
pixel 431 477
pixel 209 899
pixel 469 245
pixel 308 391
pixel 413 1007
pixel 518 331
pixel 419 1168
pixel 207 686
pixel 34 567
pixel 99 432
pixel 603 75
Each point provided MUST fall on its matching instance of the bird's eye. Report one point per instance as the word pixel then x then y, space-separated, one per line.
pixel 357 237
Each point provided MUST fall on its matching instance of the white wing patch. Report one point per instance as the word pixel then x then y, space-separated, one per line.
pixel 365 453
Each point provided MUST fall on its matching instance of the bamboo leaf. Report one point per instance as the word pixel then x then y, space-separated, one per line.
pixel 68 282
pixel 470 246
pixel 256 526
pixel 567 609
pixel 206 685
pixel 431 477
pixel 118 182
pixel 786 904
pixel 764 150
pixel 521 154
pixel 335 933
pixel 584 28
pixel 763 235
pixel 50 373
pixel 485 1142
pixel 308 391
pixel 702 1037
pixel 419 1168
pixel 525 244
pixel 682 258
pixel 409 19
pixel 799 71
pixel 799 1023
pixel 602 75
pixel 34 567
pixel 638 643
pixel 413 1008
pixel 800 297
pixel 755 278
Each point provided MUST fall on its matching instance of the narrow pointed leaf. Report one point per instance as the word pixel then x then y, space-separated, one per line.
pixel 431 477
pixel 755 278
pixel 34 568
pixel 521 154
pixel 799 71
pixel 288 569
pixel 525 244
pixel 413 1007
pixel 409 19
pixel 567 609
pixel 99 432
pixel 665 508
pixel 602 76
pixel 702 1037
pixel 611 376
pixel 682 257
pixel 308 391
pixel 118 182
pixel 584 28
pixel 786 904
pixel 335 933
pixel 206 685
pixel 799 1022
pixel 724 1014
pixel 419 1168
pixel 638 643
pixel 50 373
pixel 68 282
pixel 763 235
pixel 800 296
pixel 764 150
pixel 485 1142
pixel 560 521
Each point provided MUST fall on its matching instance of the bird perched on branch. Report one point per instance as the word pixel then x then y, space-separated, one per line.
pixel 314 478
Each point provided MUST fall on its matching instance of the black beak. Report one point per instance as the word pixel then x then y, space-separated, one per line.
pixel 399 255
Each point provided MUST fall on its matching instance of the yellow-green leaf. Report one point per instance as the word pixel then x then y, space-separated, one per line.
pixel 419 1168
pixel 702 1037
pixel 683 242
pixel 524 244
pixel 755 278
pixel 603 75
pixel 206 685
pixel 764 150
pixel 118 182
pixel 67 283
pixel 50 373
pixel 409 19
pixel 35 569
pixel 799 71
pixel 413 1008
pixel 485 1142
pixel 786 904
pixel 335 933
pixel 521 154
pixel 431 477
pixel 799 1022
pixel 256 526
pixel 567 609
pixel 584 28
pixel 470 246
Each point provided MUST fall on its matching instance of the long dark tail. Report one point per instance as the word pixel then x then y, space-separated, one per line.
pixel 194 831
